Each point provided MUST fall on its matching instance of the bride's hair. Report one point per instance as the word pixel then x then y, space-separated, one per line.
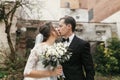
pixel 45 30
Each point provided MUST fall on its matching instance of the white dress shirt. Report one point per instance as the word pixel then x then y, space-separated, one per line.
pixel 70 40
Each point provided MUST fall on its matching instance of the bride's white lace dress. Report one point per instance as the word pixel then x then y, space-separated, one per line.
pixel 35 62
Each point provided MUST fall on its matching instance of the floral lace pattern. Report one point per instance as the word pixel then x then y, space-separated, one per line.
pixel 35 62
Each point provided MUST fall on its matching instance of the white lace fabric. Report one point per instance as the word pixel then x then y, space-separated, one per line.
pixel 34 62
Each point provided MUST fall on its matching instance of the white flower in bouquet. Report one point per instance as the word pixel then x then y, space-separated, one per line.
pixel 56 54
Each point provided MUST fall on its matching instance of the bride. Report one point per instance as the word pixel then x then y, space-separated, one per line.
pixel 34 69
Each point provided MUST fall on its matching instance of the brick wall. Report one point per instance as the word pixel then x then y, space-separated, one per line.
pixel 104 9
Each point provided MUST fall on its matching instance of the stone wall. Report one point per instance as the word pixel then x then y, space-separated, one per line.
pixel 23 35
pixel 92 32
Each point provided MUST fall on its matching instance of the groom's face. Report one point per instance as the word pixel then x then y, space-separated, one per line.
pixel 63 28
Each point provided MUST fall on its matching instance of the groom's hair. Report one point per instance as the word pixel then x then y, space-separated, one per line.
pixel 69 20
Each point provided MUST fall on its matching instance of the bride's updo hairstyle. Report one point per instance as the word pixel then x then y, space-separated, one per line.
pixel 45 30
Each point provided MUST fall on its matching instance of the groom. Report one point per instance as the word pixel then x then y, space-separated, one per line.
pixel 80 66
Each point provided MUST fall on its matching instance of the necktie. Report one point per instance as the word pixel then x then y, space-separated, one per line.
pixel 63 40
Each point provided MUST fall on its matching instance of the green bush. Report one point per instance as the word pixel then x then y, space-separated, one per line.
pixel 13 69
pixel 3 74
pixel 107 59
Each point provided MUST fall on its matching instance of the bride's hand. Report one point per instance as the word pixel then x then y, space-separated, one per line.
pixel 57 71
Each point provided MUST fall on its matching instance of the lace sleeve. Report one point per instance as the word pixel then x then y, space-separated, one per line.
pixel 31 62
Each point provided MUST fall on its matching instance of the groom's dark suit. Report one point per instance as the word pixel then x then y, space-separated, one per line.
pixel 81 58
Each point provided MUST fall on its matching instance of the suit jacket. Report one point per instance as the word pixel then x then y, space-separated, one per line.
pixel 80 65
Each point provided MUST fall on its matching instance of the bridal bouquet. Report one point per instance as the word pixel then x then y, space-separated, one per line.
pixel 56 55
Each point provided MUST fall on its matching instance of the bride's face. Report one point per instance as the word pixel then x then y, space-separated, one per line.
pixel 54 32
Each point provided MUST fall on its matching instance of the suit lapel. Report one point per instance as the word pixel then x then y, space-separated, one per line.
pixel 73 42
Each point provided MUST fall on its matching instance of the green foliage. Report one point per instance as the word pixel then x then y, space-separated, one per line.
pixel 98 76
pixel 3 74
pixel 107 59
pixel 13 69
pixel 114 45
